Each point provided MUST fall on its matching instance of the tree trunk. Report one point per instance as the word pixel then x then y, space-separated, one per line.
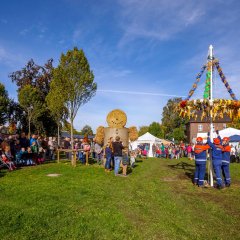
pixel 58 136
pixel 72 146
pixel 29 127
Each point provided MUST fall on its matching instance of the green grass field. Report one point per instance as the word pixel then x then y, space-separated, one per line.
pixel 156 201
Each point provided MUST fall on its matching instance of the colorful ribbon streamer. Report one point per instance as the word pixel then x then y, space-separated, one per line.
pixel 224 80
pixel 208 82
pixel 196 83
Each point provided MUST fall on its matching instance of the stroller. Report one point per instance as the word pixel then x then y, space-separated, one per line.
pixel 7 163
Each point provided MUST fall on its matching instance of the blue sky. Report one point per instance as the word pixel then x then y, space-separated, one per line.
pixel 147 46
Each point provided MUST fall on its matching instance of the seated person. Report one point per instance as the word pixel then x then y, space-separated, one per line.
pixel 7 158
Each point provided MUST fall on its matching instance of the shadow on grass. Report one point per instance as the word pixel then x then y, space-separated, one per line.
pixel 189 169
pixel 2 173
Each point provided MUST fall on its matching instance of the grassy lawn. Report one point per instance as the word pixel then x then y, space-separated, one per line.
pixel 156 201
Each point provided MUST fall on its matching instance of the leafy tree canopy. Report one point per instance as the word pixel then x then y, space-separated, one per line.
pixel 4 102
pixel 171 118
pixel 156 129
pixel 142 130
pixel 34 75
pixel 178 134
pixel 87 130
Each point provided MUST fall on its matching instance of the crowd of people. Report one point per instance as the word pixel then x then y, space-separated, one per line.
pixel 177 151
pixel 19 150
pixel 171 151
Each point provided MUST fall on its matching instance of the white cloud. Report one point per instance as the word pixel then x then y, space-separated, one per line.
pixel 157 19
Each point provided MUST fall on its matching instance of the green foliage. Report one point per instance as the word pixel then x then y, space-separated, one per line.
pixel 30 100
pixel 38 78
pixel 67 127
pixel 178 134
pixel 86 130
pixel 157 201
pixel 34 75
pixel 4 102
pixel 142 130
pixel 156 129
pixel 171 118
pixel 56 105
pixel 73 81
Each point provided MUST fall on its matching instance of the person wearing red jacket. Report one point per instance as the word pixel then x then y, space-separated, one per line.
pixel 200 162
pixel 226 161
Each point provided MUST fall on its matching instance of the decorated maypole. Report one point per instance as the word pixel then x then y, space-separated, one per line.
pixel 210 108
pixel 210 61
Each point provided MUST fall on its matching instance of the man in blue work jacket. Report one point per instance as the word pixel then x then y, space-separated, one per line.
pixel 200 151
pixel 217 149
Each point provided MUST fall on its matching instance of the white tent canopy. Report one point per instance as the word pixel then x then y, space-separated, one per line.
pixel 227 132
pixel 146 138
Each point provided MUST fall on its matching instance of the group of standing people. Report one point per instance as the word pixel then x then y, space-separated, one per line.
pixel 169 151
pixel 116 155
pixel 111 156
pixel 220 151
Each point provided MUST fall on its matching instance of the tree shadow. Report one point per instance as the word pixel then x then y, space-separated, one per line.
pixel 2 173
pixel 189 169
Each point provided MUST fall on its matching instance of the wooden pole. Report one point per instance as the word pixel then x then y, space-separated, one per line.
pixel 211 117
pixel 58 158
pixel 74 159
pixel 87 158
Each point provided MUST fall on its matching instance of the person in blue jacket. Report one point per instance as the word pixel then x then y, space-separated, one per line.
pixel 217 149
pixel 226 161
pixel 200 150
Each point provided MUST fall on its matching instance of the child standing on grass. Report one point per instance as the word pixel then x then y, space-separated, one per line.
pixel 22 157
pixel 125 162
pixel 166 152
pixel 189 151
pixel 34 150
pixel 132 158
pixel 177 152
pixel 108 156
pixel 30 157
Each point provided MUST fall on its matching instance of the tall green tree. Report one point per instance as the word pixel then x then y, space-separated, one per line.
pixel 30 100
pixel 87 130
pixel 178 134
pixel 142 130
pixel 38 77
pixel 156 129
pixel 74 80
pixel 4 102
pixel 171 118
pixel 34 75
pixel 57 108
